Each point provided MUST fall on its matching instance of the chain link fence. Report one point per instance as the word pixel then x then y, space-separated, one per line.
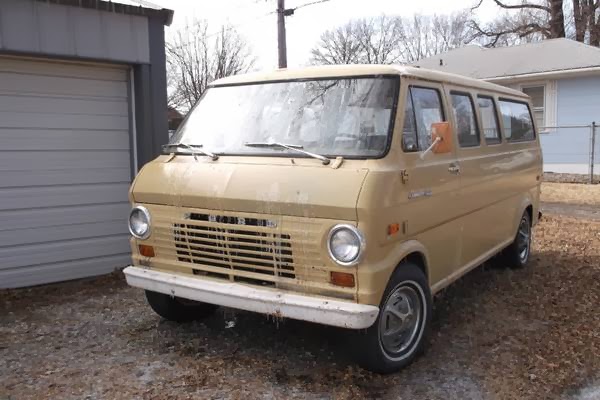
pixel 572 150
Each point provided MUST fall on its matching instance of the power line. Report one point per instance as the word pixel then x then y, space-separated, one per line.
pixel 244 22
pixel 310 4
pixel 237 6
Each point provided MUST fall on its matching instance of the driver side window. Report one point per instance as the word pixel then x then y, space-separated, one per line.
pixel 423 108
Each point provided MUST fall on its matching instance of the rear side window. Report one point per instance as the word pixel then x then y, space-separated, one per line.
pixel 489 119
pixel 464 115
pixel 423 108
pixel 517 121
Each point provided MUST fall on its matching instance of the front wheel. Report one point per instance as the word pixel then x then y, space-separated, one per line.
pixel 177 309
pixel 398 335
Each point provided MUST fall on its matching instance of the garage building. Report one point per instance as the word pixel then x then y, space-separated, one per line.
pixel 82 107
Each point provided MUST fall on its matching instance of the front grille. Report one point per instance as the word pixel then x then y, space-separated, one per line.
pixel 236 244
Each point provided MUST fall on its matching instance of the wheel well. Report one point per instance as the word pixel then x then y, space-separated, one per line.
pixel 529 210
pixel 418 259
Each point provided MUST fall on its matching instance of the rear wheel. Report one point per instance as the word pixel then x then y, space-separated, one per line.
pixel 178 309
pixel 516 255
pixel 398 335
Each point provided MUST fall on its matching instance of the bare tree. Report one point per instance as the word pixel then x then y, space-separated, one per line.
pixel 391 39
pixel 586 17
pixel 362 41
pixel 425 36
pixel 195 58
pixel 511 29
pixel 379 39
pixel 338 46
pixel 532 20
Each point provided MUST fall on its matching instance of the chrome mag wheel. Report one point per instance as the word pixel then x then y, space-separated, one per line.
pixel 401 319
pixel 524 239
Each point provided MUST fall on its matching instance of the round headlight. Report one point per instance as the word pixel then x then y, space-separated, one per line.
pixel 345 244
pixel 139 222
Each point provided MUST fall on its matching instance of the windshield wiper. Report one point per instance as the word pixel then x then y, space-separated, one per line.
pixel 193 148
pixel 294 147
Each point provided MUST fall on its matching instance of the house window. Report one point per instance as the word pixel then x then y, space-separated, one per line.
pixel 537 94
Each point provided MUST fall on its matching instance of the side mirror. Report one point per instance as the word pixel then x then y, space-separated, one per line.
pixel 443 131
pixel 441 139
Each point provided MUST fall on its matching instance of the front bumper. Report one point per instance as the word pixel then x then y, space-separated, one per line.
pixel 262 300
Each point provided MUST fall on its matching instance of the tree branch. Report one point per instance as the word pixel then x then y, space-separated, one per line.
pixel 521 6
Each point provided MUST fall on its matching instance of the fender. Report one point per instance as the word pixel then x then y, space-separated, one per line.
pixel 376 276
pixel 525 202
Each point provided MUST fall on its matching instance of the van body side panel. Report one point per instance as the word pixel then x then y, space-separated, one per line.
pixel 424 205
pixel 431 201
pixel 384 201
pixel 495 191
pixel 495 181
pixel 484 191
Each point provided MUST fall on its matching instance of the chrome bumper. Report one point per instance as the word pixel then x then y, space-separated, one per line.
pixel 262 300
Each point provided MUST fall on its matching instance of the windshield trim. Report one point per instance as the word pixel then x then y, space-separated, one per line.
pixel 393 115
pixel 307 79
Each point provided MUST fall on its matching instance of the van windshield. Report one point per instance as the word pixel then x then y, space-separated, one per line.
pixel 334 117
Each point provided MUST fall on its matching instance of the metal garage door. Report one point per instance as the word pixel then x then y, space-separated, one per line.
pixel 64 170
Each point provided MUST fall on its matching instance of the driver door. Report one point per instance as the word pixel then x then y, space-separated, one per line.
pixel 432 183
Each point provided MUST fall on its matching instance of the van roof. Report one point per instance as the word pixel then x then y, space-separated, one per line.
pixel 336 71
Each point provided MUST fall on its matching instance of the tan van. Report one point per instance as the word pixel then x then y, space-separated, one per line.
pixel 344 195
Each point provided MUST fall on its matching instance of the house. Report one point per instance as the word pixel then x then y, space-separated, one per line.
pixel 174 119
pixel 82 100
pixel 563 79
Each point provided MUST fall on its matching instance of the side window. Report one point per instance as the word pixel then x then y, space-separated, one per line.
pixel 489 119
pixel 464 115
pixel 423 107
pixel 409 131
pixel 517 121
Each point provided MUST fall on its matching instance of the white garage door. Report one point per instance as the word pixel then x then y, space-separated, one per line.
pixel 64 170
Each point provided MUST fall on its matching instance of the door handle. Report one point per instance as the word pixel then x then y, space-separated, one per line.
pixel 454 169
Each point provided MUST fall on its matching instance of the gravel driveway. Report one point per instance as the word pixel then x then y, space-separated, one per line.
pixel 497 334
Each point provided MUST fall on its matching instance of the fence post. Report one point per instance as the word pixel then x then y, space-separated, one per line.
pixel 593 150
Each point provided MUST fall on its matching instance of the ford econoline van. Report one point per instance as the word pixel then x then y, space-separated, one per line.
pixel 342 195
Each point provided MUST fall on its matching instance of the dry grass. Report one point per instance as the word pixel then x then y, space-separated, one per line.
pixel 497 333
pixel 572 193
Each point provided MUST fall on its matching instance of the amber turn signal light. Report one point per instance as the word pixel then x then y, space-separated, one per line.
pixel 343 279
pixel 393 229
pixel 146 251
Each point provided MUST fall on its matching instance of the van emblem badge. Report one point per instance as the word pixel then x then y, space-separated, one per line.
pixel 419 193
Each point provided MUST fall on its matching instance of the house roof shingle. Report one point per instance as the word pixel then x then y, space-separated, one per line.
pixel 132 7
pixel 551 55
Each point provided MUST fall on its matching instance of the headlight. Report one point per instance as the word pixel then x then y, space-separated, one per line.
pixel 139 222
pixel 345 244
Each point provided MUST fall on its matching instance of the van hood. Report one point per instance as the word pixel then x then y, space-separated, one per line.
pixel 315 191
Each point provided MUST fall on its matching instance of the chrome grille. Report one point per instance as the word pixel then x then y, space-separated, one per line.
pixel 234 243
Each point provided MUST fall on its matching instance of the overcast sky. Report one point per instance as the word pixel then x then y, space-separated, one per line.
pixel 306 25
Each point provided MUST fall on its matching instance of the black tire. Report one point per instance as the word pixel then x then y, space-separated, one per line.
pixel 369 349
pixel 178 310
pixel 516 255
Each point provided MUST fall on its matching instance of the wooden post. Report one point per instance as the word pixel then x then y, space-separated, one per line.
pixel 593 150
pixel 281 39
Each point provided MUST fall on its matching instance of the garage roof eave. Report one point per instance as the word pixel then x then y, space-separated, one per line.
pixel 164 14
